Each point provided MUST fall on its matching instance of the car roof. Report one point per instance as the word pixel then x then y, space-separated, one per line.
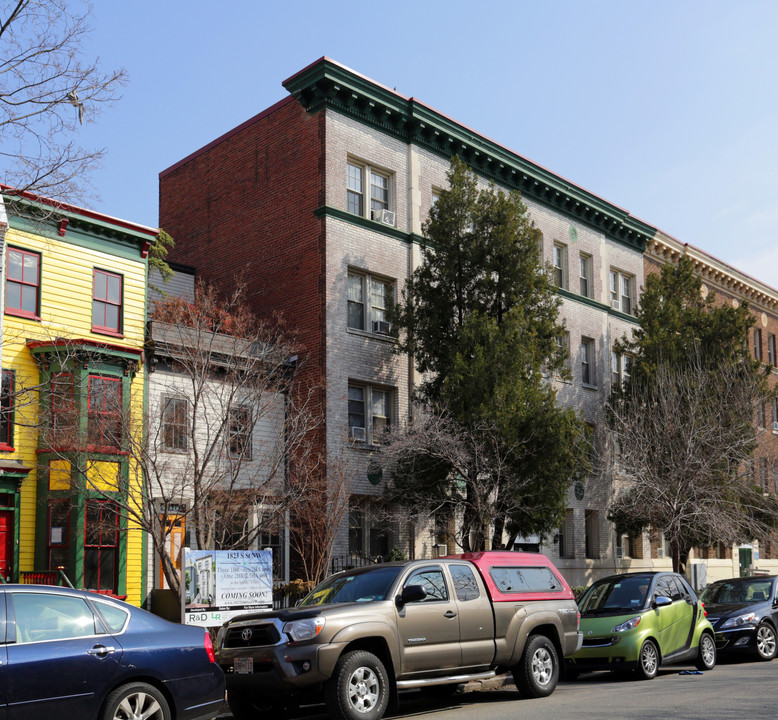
pixel 743 579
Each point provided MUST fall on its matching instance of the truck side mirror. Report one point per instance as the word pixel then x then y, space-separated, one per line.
pixel 412 593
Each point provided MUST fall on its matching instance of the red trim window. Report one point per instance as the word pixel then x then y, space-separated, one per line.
pixel 7 411
pixel 58 540
pixel 22 284
pixel 63 410
pixel 101 545
pixel 104 412
pixel 107 302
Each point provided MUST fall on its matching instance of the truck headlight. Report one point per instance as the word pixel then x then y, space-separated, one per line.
pixel 630 624
pixel 740 621
pixel 299 630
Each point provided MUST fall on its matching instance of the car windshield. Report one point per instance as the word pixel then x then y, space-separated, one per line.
pixel 616 594
pixel 737 591
pixel 361 587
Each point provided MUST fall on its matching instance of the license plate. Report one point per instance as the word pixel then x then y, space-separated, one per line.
pixel 243 666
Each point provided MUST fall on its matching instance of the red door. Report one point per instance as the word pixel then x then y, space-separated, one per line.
pixel 6 543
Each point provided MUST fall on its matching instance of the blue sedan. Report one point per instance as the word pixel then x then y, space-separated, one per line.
pixel 74 654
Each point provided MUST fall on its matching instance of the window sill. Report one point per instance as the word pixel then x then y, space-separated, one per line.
pixel 176 451
pixel 22 314
pixel 6 448
pixel 587 386
pixel 373 336
pixel 108 332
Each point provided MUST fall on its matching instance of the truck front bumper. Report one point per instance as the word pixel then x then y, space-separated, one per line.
pixel 279 669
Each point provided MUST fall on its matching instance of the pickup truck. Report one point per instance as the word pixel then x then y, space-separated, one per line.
pixel 364 634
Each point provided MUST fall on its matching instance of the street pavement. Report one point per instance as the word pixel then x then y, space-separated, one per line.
pixel 733 690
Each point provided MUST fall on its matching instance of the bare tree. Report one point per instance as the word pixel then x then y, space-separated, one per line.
pixel 47 90
pixel 443 469
pixel 685 445
pixel 211 451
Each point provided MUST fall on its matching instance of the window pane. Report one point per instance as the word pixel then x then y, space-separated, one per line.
pixel 100 283
pixel 379 192
pixel 14 269
pixel 356 407
pixel 30 268
pixel 114 289
pixel 354 178
pixel 42 617
pixel 355 288
pixel 112 317
pixel 13 295
pixel 29 298
pixel 98 313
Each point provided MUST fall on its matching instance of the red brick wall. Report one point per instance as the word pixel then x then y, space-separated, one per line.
pixel 242 207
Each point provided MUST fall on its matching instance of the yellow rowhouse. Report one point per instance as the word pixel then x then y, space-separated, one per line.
pixel 74 293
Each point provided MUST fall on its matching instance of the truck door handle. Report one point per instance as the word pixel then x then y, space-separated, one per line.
pixel 449 614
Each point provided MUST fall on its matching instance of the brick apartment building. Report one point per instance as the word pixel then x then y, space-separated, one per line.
pixel 318 202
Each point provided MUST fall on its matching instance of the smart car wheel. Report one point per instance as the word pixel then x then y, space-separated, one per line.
pixel 706 658
pixel 648 662
pixel 538 672
pixel 766 646
pixel 359 687
pixel 136 700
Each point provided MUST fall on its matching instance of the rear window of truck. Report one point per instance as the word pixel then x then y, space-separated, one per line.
pixel 525 579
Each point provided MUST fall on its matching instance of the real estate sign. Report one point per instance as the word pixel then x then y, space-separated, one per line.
pixel 220 584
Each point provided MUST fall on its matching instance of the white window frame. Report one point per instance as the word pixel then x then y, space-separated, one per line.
pixel 588 365
pixel 372 313
pixel 167 400
pixel 585 265
pixel 368 205
pixel 758 344
pixel 559 264
pixel 374 423
pixel 620 368
pixel 616 286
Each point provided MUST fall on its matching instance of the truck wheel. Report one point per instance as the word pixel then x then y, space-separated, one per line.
pixel 538 672
pixel 706 658
pixel 244 706
pixel 358 688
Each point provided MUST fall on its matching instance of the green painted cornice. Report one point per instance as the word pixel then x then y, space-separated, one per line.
pixel 597 305
pixel 328 84
pixel 85 229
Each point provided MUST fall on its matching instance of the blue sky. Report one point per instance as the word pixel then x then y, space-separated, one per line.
pixel 668 109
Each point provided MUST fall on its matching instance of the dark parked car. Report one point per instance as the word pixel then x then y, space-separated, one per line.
pixel 75 654
pixel 744 614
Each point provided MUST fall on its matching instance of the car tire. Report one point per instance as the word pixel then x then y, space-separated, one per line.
pixel 765 644
pixel 136 700
pixel 537 674
pixel 648 661
pixel 706 656
pixel 358 688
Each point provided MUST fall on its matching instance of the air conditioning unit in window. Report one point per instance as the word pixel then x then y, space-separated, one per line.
pixel 775 427
pixel 619 552
pixel 616 304
pixel 660 552
pixel 385 217
pixel 383 327
pixel 359 434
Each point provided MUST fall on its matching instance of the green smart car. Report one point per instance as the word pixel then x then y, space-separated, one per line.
pixel 639 621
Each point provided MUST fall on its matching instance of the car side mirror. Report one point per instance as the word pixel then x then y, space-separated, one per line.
pixel 662 600
pixel 411 593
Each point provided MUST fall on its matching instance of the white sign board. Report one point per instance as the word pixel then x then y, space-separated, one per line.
pixel 220 584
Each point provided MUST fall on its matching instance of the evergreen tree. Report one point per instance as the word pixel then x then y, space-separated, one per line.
pixel 480 317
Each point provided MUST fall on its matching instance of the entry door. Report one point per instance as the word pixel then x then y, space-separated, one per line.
pixel 174 541
pixel 6 544
pixel 746 557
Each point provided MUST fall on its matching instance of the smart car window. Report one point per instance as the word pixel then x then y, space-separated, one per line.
pixel 464 581
pixel 46 616
pixel 432 581
pixel 675 588
pixel 663 587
